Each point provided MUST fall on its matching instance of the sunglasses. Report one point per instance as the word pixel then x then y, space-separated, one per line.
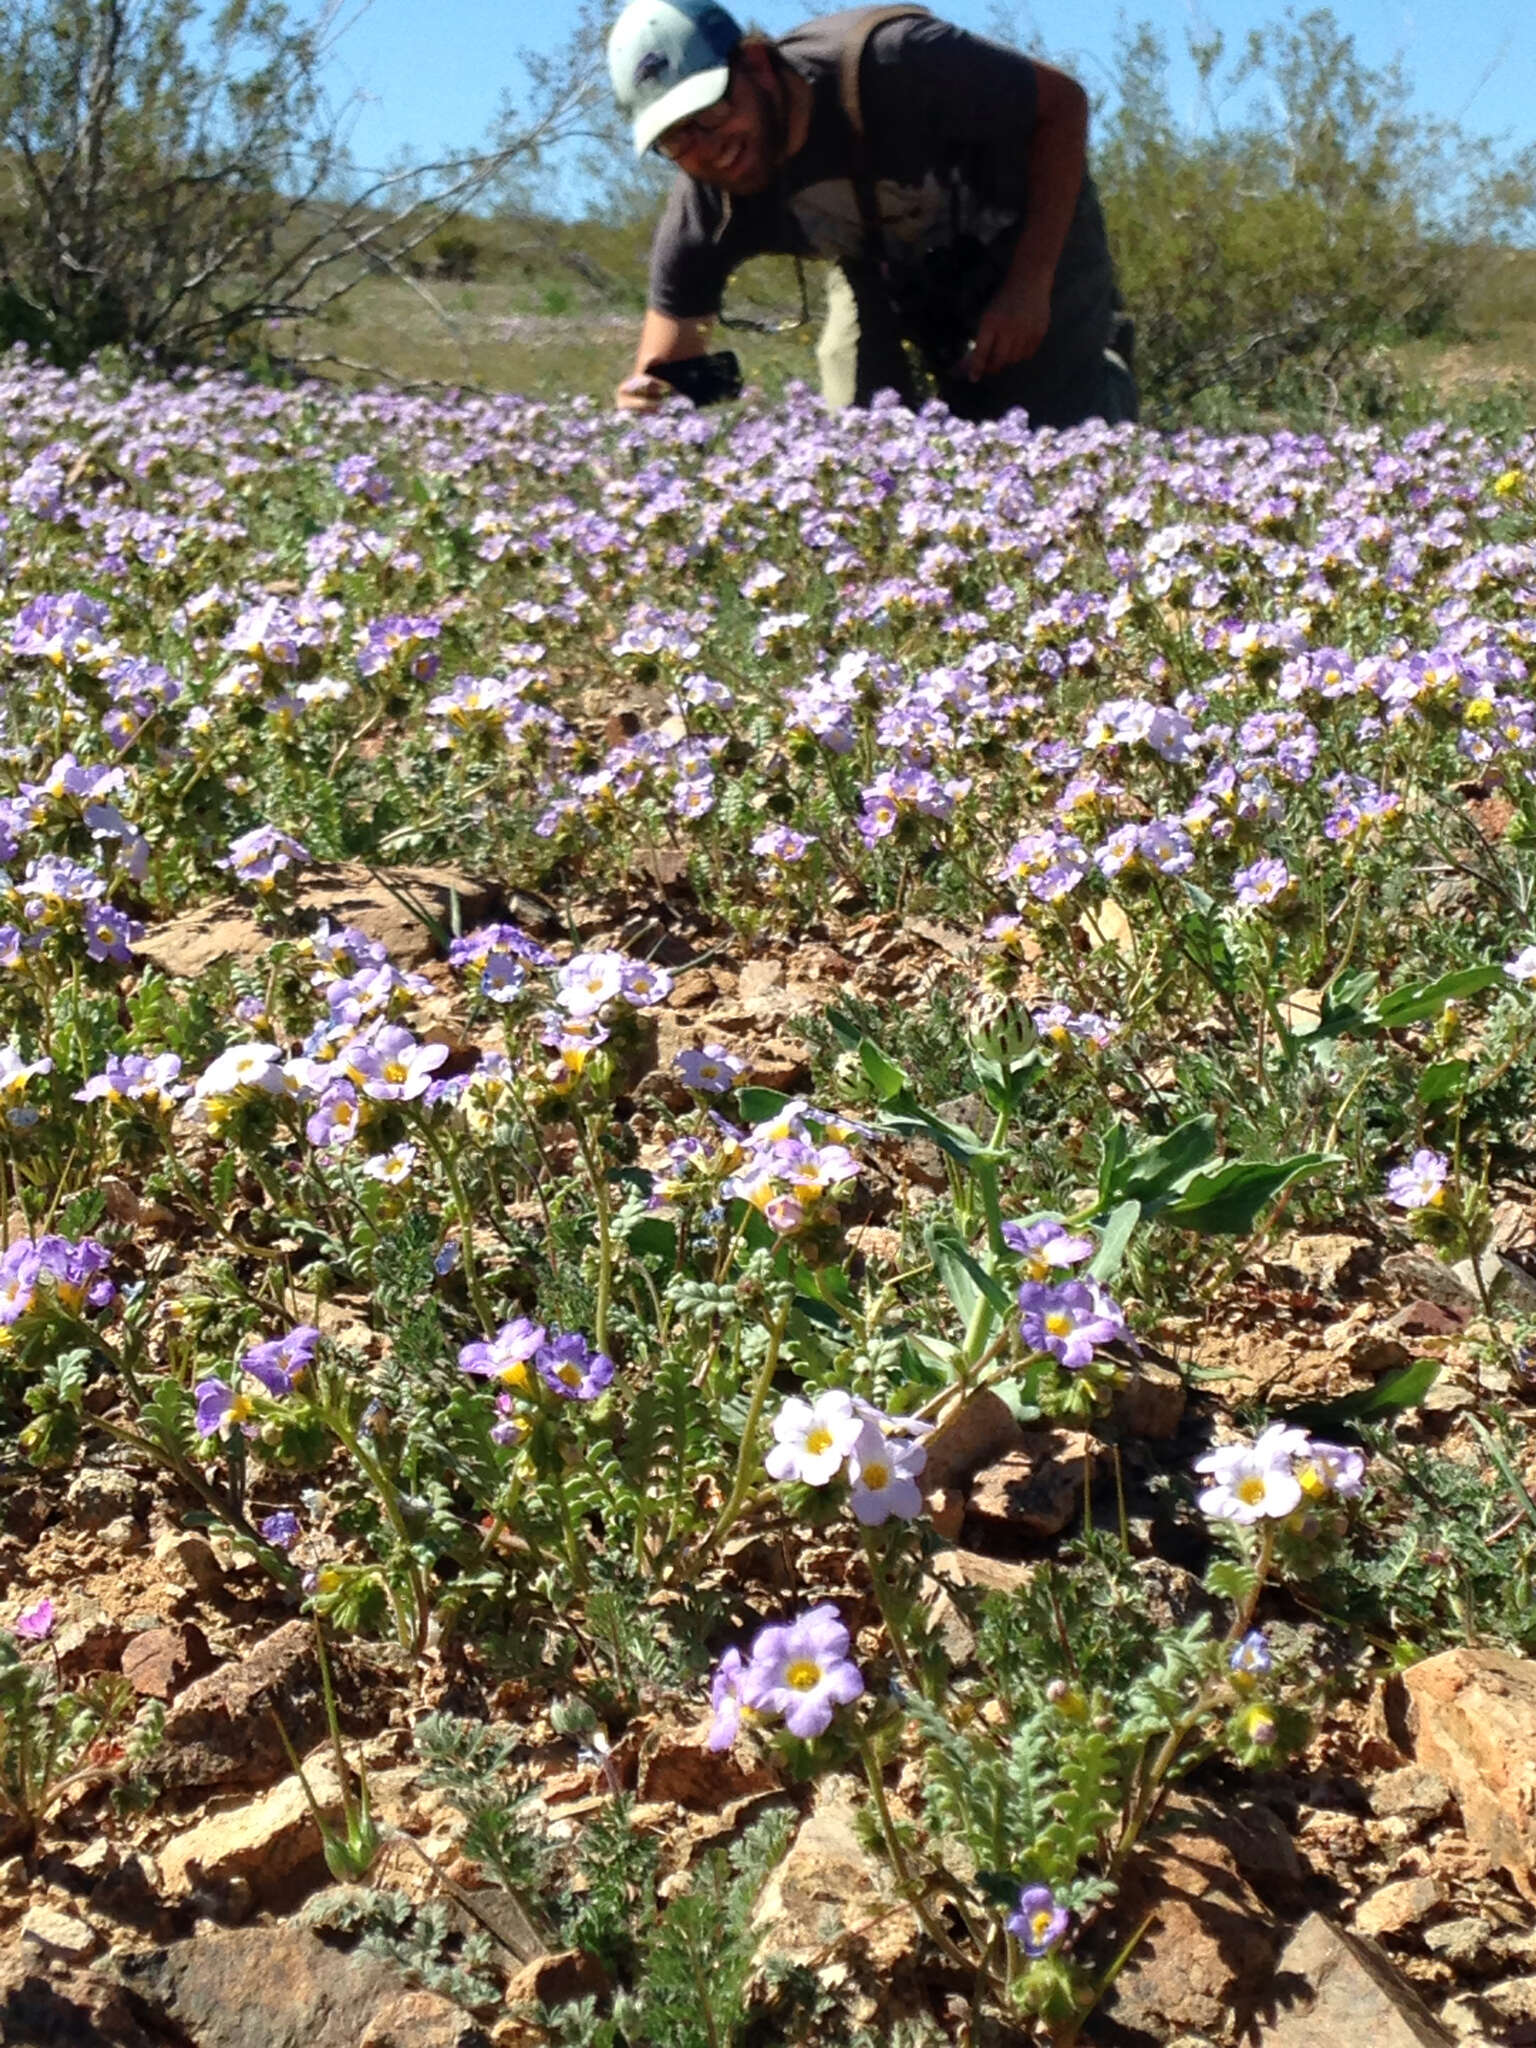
pixel 685 136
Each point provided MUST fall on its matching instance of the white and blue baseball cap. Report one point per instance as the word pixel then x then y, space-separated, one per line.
pixel 669 59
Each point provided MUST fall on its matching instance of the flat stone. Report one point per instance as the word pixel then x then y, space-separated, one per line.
pixel 89 1638
pixel 1473 1722
pixel 99 1495
pixel 187 1556
pixel 1321 1261
pixel 830 1895
pixel 266 1841
pixel 1207 1957
pixel 1421 1276
pixel 556 1979
pixel 283 1987
pixel 1397 1907
pixel 344 893
pixel 1034 1490
pixel 1466 1944
pixel 1506 1283
pixel 158 1662
pixel 1412 1793
pixel 220 1730
pixel 1331 1987
pixel 676 1767
pixel 980 1429
pixel 58 1934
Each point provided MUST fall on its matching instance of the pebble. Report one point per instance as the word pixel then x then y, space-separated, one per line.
pixel 59 1934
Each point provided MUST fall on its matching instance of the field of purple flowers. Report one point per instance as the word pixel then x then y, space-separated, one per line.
pixel 844 1100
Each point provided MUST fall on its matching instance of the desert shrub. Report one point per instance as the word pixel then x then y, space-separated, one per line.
pixel 1283 249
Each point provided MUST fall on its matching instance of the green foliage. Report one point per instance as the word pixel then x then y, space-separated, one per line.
pixel 1269 254
pixel 472 1763
pixel 1448 1555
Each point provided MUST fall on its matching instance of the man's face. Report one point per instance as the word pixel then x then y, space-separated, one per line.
pixel 731 144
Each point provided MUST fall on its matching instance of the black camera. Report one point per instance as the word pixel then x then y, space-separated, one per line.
pixel 706 380
pixel 940 301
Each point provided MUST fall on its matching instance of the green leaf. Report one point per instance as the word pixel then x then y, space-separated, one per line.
pixel 882 1074
pixel 1438 1083
pixel 843 1028
pixel 1229 1201
pixel 1156 1169
pixel 760 1105
pixel 1394 1395
pixel 653 1238
pixel 1116 1238
pixel 1112 1158
pixel 1344 1008
pixel 1416 1002
pixel 965 1280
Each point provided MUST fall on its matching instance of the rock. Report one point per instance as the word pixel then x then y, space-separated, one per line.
pixel 220 1731
pixel 1329 1987
pixel 1365 1345
pixel 122 1534
pixel 1419 1275
pixel 1469 2018
pixel 1514 2000
pixel 58 1935
pixel 1149 1402
pixel 158 1662
pixel 268 1841
pixel 189 1558
pixel 830 1895
pixel 130 1894
pixel 100 1495
pixel 1036 1489
pixel 981 1574
pixel 1413 1793
pixel 980 1429
pixel 556 1979
pixel 283 1987
pixel 1428 1319
pixel 1397 1907
pixel 54 2005
pixel 946 1511
pixel 88 1639
pixel 1505 1282
pixel 1207 1957
pixel 1464 1944
pixel 677 1767
pixel 1321 1262
pixel 1472 1717
pixel 345 894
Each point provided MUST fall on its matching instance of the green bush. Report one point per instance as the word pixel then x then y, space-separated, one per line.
pixel 1281 252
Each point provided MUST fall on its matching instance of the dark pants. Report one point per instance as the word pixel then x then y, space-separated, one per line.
pixel 860 353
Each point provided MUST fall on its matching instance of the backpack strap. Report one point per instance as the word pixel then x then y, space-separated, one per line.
pixel 851 58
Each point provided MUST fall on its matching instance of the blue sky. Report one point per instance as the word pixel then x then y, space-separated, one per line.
pixel 429 79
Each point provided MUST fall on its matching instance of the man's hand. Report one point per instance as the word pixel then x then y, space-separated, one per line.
pixel 641 393
pixel 1010 330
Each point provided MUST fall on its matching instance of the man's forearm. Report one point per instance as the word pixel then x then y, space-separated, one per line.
pixel 664 339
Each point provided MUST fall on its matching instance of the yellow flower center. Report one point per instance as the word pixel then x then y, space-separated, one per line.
pixel 803 1675
pixel 571 1374
pixel 517 1375
pixel 1058 1322
pixel 818 1440
pixel 876 1477
pixel 1251 1489
pixel 1040 1925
